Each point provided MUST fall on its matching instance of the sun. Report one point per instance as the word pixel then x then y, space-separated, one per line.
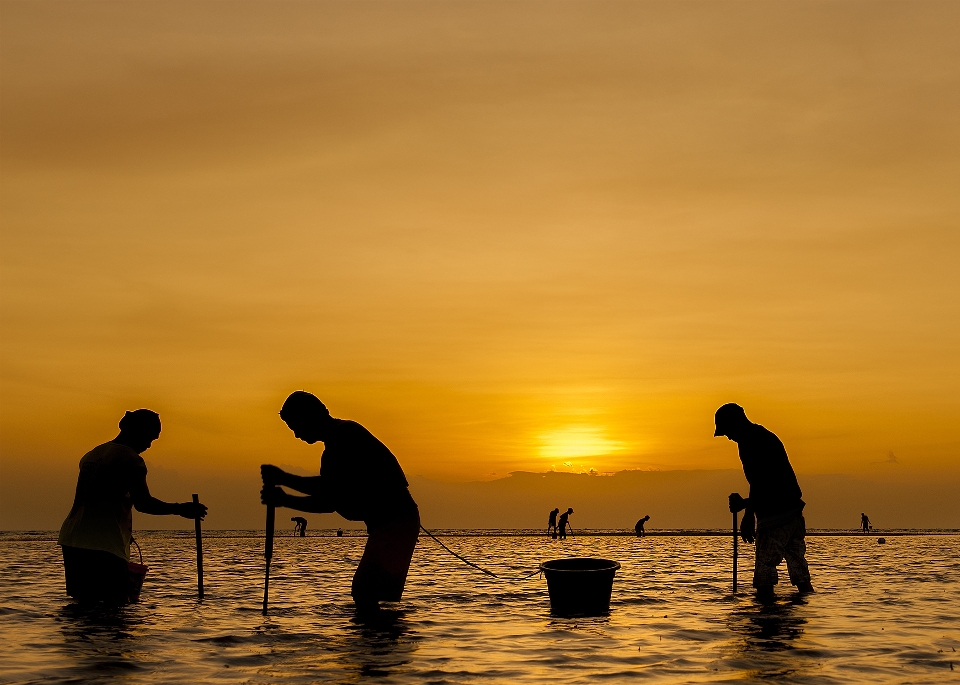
pixel 577 441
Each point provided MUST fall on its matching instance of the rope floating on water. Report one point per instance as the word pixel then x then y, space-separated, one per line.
pixel 473 565
pixel 464 560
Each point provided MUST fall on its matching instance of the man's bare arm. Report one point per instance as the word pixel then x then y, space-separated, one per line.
pixel 148 504
pixel 313 504
pixel 273 475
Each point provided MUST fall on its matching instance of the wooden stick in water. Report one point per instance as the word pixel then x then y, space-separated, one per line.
pixel 734 552
pixel 196 524
pixel 268 554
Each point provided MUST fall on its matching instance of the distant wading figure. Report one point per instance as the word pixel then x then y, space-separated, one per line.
pixel 95 537
pixel 639 527
pixel 300 526
pixel 552 523
pixel 563 523
pixel 361 480
pixel 864 523
pixel 775 499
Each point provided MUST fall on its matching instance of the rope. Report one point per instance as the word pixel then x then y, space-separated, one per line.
pixel 473 565
pixel 466 561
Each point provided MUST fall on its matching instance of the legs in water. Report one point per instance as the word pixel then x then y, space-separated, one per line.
pixel 773 545
pixel 382 572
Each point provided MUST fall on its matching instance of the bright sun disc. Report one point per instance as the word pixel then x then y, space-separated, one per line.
pixel 577 441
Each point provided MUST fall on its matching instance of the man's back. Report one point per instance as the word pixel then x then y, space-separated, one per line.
pixel 101 517
pixel 361 476
pixel 773 484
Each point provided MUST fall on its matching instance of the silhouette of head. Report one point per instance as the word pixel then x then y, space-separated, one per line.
pixel 557 510
pixel 730 420
pixel 306 416
pixel 570 511
pixel 139 428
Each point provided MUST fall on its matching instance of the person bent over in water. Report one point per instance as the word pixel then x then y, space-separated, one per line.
pixel 775 500
pixel 95 537
pixel 299 526
pixel 361 480
pixel 552 523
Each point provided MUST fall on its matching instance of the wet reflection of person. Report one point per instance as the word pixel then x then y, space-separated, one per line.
pixel 95 537
pixel 563 524
pixel 300 527
pixel 638 529
pixel 552 523
pixel 864 523
pixel 775 500
pixel 362 481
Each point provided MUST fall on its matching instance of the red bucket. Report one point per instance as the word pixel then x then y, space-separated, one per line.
pixel 137 573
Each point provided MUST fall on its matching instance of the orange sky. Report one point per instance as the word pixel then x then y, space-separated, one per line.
pixel 501 235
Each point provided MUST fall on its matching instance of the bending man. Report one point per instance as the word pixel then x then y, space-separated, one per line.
pixel 361 480
pixel 95 537
pixel 774 499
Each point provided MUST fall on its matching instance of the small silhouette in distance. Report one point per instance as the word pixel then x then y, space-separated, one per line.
pixel 881 541
pixel 361 480
pixel 639 527
pixel 552 523
pixel 95 537
pixel 865 523
pixel 300 527
pixel 339 532
pixel 774 499
pixel 563 524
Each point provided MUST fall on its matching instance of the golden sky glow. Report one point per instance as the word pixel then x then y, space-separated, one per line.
pixel 501 235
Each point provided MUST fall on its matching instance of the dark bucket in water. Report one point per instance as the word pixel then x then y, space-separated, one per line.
pixel 137 573
pixel 580 586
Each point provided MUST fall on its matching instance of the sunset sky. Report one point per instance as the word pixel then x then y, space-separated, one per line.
pixel 502 235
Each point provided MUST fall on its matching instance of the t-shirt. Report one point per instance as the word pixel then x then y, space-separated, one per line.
pixel 101 517
pixel 773 484
pixel 361 477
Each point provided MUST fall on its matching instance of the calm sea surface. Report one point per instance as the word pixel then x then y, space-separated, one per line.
pixel 882 613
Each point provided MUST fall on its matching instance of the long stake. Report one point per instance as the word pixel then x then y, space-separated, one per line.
pixel 268 554
pixel 734 552
pixel 196 525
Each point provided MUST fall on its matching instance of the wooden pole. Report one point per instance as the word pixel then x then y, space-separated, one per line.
pixel 268 554
pixel 734 553
pixel 196 524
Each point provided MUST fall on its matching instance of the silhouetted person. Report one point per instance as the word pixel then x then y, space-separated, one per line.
pixel 864 523
pixel 300 527
pixel 775 500
pixel 361 480
pixel 563 523
pixel 339 532
pixel 552 523
pixel 639 527
pixel 95 537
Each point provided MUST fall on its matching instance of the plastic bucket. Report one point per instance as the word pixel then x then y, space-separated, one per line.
pixel 137 573
pixel 580 586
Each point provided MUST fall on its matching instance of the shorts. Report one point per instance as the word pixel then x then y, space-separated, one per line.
pixel 785 540
pixel 382 572
pixel 96 576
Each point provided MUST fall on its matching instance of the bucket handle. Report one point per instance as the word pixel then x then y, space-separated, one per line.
pixel 139 551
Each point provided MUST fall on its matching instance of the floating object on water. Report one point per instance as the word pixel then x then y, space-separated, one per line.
pixel 881 541
pixel 580 586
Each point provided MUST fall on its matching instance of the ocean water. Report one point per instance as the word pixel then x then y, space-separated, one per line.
pixel 881 613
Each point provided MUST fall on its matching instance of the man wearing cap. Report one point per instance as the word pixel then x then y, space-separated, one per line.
pixel 775 500
pixel 95 537
pixel 361 480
